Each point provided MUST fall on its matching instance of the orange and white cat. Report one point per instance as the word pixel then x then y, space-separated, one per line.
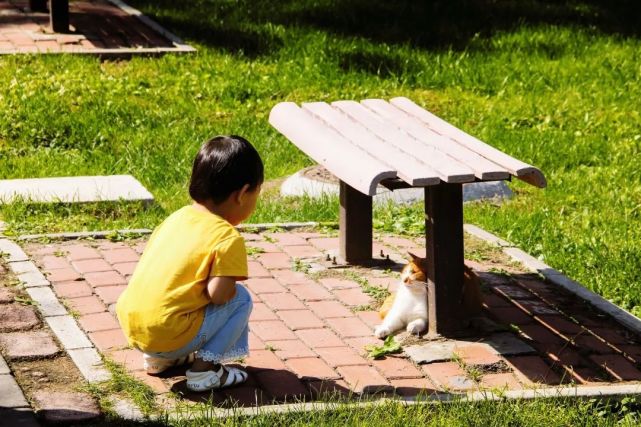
pixel 408 307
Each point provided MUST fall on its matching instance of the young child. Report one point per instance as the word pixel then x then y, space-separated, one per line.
pixel 183 297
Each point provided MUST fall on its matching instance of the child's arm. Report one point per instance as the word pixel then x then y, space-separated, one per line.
pixel 221 289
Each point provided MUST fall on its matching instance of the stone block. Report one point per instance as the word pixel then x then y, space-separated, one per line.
pixel 89 364
pixel 16 317
pixel 75 189
pixel 68 332
pixel 59 407
pixel 11 251
pixel 48 304
pixel 10 393
pixel 4 368
pixel 32 279
pixel 430 352
pixel 28 345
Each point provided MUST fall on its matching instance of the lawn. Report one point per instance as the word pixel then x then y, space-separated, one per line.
pixel 555 84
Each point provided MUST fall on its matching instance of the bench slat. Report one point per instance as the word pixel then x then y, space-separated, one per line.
pixel 408 168
pixel 449 170
pixel 521 170
pixel 354 166
pixel 483 168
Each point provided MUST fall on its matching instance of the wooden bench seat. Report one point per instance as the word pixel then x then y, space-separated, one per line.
pixel 399 144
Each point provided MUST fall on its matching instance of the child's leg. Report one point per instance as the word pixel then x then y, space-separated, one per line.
pixel 225 331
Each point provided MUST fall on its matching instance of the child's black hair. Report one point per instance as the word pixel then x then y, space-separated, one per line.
pixel 223 165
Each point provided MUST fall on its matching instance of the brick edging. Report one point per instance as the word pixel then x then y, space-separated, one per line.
pixel 535 265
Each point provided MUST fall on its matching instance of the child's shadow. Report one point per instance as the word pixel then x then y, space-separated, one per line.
pixel 263 387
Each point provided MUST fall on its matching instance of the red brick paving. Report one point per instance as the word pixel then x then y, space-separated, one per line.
pixel 309 332
pixel 95 25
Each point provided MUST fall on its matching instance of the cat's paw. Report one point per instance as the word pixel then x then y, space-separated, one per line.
pixel 417 326
pixel 381 331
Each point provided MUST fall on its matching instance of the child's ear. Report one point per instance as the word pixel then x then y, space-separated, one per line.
pixel 240 195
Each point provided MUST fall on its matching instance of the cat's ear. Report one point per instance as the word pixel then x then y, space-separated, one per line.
pixel 415 258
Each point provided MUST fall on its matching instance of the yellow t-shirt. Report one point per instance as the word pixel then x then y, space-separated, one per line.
pixel 163 306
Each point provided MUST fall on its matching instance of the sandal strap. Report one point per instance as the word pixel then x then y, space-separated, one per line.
pixel 234 376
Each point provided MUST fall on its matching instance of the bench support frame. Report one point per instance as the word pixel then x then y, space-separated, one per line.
pixel 445 258
pixel 355 225
pixel 444 243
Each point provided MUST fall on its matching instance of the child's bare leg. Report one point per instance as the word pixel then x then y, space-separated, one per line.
pixel 201 366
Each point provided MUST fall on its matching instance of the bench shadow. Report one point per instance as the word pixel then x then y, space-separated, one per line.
pixel 553 359
pixel 247 26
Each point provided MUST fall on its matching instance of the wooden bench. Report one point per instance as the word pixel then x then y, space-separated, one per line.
pixel 398 144
pixel 58 13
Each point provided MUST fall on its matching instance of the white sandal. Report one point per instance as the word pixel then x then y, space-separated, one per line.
pixel 210 380
pixel 156 365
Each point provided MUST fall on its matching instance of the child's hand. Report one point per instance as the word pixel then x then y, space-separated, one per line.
pixel 221 289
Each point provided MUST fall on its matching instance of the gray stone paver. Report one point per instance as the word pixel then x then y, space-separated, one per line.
pixel 68 332
pixel 78 189
pixel 33 278
pixel 20 267
pixel 28 345
pixel 4 368
pixel 60 407
pixel 90 364
pixel 10 393
pixel 431 352
pixel 12 252
pixel 48 303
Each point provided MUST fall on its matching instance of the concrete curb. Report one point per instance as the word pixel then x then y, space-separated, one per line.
pixel 55 315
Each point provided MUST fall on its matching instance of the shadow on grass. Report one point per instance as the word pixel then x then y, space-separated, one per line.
pixel 245 27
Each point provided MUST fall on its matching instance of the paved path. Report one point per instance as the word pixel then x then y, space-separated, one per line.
pixel 310 324
pixel 98 26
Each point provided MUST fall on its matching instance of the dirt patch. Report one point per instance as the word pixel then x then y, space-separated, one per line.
pixel 319 173
pixel 59 374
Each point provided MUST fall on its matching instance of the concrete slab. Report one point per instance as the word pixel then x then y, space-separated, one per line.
pixel 33 278
pixel 299 185
pixel 90 364
pixel 28 345
pixel 17 317
pixel 48 303
pixel 65 408
pixel 10 393
pixel 4 368
pixel 68 332
pixel 11 251
pixel 76 189
pixel 430 352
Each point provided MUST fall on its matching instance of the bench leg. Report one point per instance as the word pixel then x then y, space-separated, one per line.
pixel 355 225
pixel 444 242
pixel 59 15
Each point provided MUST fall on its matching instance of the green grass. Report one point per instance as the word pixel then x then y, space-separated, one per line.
pixel 554 84
pixel 554 412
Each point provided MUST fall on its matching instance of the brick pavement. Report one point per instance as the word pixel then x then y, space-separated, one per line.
pixel 97 26
pixel 310 324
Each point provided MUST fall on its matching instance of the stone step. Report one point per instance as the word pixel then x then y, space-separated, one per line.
pixel 75 189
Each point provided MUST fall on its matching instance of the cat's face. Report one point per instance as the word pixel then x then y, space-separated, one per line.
pixel 414 270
